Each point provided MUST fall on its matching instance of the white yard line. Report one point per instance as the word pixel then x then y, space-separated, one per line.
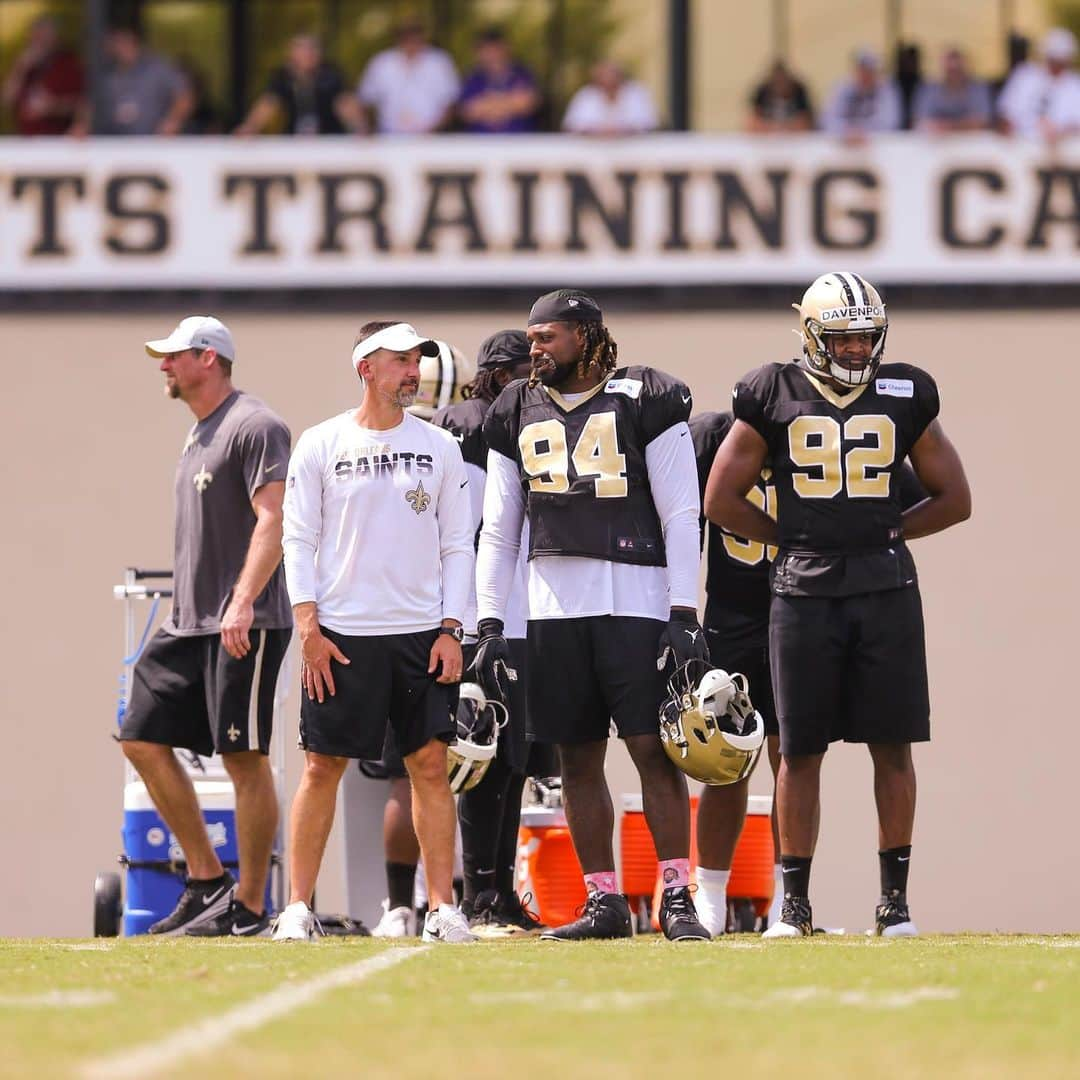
pixel 57 999
pixel 213 1032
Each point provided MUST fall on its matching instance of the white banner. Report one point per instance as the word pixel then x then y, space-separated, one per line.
pixel 533 210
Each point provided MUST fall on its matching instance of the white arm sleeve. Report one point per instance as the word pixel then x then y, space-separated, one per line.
pixel 302 520
pixel 673 480
pixel 456 531
pixel 500 538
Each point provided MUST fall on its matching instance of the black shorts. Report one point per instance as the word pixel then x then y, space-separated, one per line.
pixel 753 662
pixel 188 692
pixel 585 673
pixel 385 681
pixel 851 668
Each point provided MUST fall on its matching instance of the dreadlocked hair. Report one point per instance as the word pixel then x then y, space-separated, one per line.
pixel 485 386
pixel 599 353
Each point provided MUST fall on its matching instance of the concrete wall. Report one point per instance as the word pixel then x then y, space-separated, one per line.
pixel 89 445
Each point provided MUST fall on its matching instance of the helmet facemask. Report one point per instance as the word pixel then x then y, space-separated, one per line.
pixel 823 359
pixel 478 722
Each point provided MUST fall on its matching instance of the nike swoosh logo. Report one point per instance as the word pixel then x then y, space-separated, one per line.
pixel 208 900
pixel 463 483
pixel 903 858
pixel 790 869
pixel 686 399
pixel 241 931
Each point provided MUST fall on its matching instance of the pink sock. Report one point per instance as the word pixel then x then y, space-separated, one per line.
pixel 602 882
pixel 675 873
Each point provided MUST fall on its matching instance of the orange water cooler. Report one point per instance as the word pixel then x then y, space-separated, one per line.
pixel 750 887
pixel 547 865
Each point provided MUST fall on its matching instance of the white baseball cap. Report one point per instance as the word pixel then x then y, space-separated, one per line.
pixel 196 332
pixel 401 337
pixel 1060 45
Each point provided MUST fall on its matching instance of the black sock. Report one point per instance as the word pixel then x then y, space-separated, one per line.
pixel 796 871
pixel 480 814
pixel 400 883
pixel 506 852
pixel 894 869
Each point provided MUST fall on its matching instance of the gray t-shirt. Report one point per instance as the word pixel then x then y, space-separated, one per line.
pixel 138 98
pixel 237 449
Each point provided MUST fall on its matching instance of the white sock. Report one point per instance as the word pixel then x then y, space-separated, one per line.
pixel 778 896
pixel 711 898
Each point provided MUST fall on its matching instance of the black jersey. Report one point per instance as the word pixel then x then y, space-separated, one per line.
pixel 737 586
pixel 582 462
pixel 465 421
pixel 836 461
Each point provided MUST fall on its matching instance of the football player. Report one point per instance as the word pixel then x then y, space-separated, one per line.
pixel 600 462
pixel 846 636
pixel 490 812
pixel 736 626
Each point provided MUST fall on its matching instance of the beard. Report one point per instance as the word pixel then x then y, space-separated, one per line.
pixel 550 373
pixel 405 396
pixel 172 389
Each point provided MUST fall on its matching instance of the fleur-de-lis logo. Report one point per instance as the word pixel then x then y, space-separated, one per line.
pixel 418 499
pixel 202 479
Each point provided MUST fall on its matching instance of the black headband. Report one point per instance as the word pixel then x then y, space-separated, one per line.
pixel 565 305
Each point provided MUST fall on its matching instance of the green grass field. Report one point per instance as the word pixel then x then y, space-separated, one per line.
pixel 959 1006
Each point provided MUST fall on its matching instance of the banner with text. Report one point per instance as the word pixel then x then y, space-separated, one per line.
pixel 459 210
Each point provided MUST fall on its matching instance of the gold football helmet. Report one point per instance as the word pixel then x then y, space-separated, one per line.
pixel 708 725
pixel 840 303
pixel 479 722
pixel 441 380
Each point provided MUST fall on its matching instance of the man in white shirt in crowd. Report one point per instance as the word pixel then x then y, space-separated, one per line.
pixel 600 461
pixel 413 87
pixel 378 547
pixel 1044 99
pixel 610 104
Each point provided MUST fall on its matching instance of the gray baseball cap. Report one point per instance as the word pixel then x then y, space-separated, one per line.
pixel 196 332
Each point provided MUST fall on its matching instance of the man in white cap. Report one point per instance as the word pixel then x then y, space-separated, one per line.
pixel 379 563
pixel 206 680
pixel 1044 99
pixel 864 104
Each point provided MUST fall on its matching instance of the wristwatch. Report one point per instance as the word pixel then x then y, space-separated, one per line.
pixel 456 632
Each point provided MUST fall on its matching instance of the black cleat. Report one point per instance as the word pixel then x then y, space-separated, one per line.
pixel 678 916
pixel 498 915
pixel 796 919
pixel 235 921
pixel 893 917
pixel 200 902
pixel 604 916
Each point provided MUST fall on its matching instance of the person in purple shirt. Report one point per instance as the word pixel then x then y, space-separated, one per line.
pixel 500 96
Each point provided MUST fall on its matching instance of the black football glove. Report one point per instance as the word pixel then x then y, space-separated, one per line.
pixel 681 640
pixel 491 663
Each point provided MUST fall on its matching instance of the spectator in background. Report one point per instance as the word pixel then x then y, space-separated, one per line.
pixel 1018 48
pixel 143 93
pixel 44 88
pixel 610 104
pixel 413 87
pixel 780 104
pixel 307 91
pixel 957 103
pixel 908 80
pixel 500 96
pixel 1044 99
pixel 863 105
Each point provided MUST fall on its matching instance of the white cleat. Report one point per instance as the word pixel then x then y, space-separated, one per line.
pixel 713 918
pixel 295 923
pixel 902 929
pixel 395 922
pixel 447 923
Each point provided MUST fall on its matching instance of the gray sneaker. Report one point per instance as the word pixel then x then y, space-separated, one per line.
pixel 447 923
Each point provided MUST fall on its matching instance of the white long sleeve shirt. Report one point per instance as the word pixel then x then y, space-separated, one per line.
pixel 562 586
pixel 378 528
